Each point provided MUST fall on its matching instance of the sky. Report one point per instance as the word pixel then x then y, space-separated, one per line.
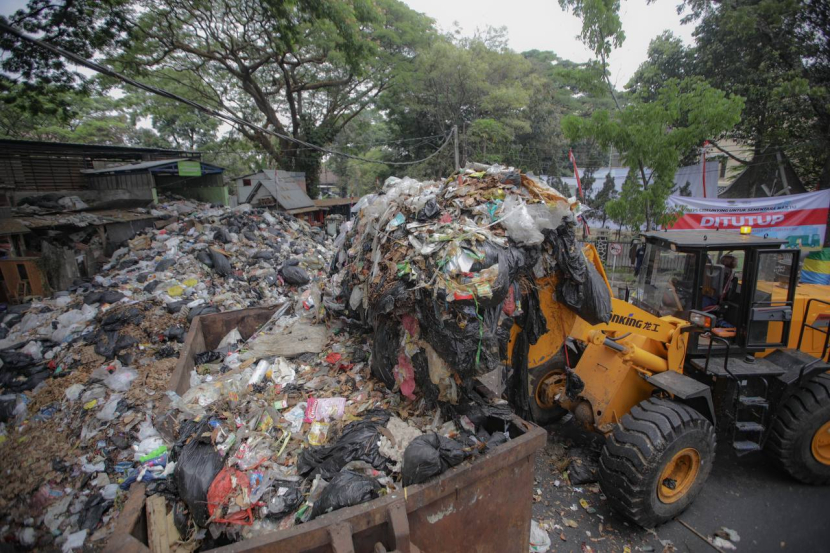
pixel 542 25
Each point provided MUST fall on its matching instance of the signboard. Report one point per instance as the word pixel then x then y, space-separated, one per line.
pixel 801 219
pixel 190 169
pixel 615 249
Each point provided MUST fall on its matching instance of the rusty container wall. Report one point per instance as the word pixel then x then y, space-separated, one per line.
pixel 483 505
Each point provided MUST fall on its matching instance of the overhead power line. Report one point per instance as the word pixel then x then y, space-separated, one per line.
pixel 227 117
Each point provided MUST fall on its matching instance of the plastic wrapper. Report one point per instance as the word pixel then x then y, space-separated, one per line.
pixel 345 490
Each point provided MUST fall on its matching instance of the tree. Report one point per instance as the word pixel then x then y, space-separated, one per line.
pixel 94 118
pixel 507 106
pixel 301 69
pixel 657 134
pixel 34 78
pixel 367 136
pixel 598 202
pixel 668 58
pixel 776 54
pixel 657 128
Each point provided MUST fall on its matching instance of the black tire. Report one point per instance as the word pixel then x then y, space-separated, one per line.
pixel 545 415
pixel 792 432
pixel 639 449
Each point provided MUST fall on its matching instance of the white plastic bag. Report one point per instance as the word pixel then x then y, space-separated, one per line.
pixel 108 412
pixel 231 337
pixel 121 379
pixel 539 538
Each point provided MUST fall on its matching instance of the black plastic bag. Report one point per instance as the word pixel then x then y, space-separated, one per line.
pixel 583 468
pixel 196 467
pixel 263 254
pixel 176 333
pixel 151 286
pixel 110 344
pixel 385 346
pixel 204 258
pixel 116 321
pixel 596 304
pixel 294 275
pixel 201 310
pixel 430 455
pixel 7 404
pixel 359 442
pixel 164 264
pixel 220 263
pixel 429 211
pixel 207 357
pixel 345 490
pixel 103 297
pixel 175 306
pixel 280 505
pixel 222 235
pixel 93 511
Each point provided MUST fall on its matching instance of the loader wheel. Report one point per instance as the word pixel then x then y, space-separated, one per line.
pixel 543 406
pixel 656 461
pixel 800 437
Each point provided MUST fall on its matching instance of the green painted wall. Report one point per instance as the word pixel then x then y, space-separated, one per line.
pixel 211 194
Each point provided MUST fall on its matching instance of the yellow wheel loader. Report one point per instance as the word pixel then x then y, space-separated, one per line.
pixel 715 337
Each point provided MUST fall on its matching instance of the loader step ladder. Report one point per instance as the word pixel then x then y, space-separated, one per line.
pixel 751 407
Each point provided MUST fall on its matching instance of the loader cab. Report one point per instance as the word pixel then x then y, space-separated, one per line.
pixel 747 282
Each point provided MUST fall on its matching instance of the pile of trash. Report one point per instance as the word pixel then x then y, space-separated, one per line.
pixel 442 271
pixel 273 433
pixel 82 372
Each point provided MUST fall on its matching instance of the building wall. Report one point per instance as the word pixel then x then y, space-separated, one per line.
pixel 114 189
pixel 730 169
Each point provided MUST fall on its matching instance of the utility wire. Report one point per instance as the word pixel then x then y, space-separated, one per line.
pixel 227 117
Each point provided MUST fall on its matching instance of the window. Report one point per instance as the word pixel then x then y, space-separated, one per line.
pixel 666 281
pixel 246 182
pixel 723 164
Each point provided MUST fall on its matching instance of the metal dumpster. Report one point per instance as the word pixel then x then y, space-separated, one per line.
pixel 483 505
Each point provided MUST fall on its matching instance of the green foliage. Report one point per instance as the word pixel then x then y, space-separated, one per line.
pixel 303 69
pixel 668 58
pixel 507 106
pixel 601 26
pixel 656 135
pixel 85 27
pixel 776 54
pixel 93 118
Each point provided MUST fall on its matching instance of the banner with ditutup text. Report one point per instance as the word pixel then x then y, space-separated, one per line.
pixel 800 219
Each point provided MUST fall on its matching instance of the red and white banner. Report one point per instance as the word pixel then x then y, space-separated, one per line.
pixel 799 218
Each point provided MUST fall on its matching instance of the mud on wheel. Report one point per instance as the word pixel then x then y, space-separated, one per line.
pixel 800 438
pixel 656 461
pixel 543 406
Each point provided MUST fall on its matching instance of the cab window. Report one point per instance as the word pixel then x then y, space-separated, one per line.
pixel 665 286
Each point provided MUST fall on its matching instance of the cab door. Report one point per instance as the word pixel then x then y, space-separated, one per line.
pixel 770 300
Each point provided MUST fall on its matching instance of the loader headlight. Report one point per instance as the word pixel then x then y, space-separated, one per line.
pixel 701 321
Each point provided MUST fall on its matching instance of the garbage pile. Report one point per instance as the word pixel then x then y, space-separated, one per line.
pixel 82 372
pixel 442 270
pixel 274 432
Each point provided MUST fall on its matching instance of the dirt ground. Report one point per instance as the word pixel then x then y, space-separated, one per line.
pixel 769 510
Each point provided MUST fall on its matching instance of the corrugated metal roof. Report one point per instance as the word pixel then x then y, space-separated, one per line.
pixel 146 166
pixel 287 194
pixel 329 202
pixel 12 226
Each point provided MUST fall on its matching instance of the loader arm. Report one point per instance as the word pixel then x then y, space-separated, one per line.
pixel 617 357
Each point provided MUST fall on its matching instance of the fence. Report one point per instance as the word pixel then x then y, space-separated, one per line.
pixel 618 259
